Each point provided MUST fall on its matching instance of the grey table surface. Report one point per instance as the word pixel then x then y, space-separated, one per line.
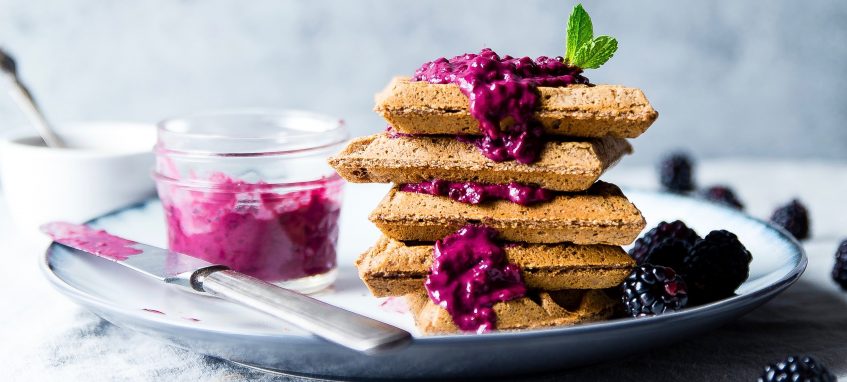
pixel 46 337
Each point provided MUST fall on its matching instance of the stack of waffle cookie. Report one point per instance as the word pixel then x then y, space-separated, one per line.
pixel 568 248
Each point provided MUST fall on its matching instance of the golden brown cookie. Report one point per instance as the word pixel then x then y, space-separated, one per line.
pixel 537 310
pixel 394 268
pixel 562 166
pixel 600 215
pixel 576 110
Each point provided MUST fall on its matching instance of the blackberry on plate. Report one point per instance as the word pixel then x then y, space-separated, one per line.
pixel 651 290
pixel 839 271
pixel 795 368
pixel 716 267
pixel 722 195
pixel 794 217
pixel 666 245
pixel 676 173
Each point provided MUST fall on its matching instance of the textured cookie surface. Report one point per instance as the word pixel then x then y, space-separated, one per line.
pixel 539 310
pixel 563 166
pixel 600 215
pixel 394 268
pixel 577 110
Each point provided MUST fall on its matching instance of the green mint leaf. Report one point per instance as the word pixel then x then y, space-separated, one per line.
pixel 595 53
pixel 580 32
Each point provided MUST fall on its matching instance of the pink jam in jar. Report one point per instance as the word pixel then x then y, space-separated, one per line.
pixel 252 191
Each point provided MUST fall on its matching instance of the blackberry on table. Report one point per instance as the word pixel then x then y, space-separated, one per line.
pixel 796 368
pixel 676 173
pixel 794 217
pixel 839 271
pixel 666 245
pixel 716 266
pixel 722 195
pixel 652 290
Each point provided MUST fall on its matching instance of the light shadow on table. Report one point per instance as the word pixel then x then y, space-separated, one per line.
pixel 806 319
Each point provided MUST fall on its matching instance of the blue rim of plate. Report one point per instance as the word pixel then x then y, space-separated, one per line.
pixel 800 263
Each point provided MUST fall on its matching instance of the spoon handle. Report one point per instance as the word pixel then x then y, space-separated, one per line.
pixel 22 96
pixel 25 103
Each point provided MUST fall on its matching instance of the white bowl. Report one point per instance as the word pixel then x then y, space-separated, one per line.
pixel 107 166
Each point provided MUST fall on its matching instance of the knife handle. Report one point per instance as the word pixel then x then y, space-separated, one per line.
pixel 327 321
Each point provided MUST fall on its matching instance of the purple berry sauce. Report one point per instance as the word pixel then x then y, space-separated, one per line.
pixel 254 228
pixel 469 275
pixel 98 242
pixel 502 90
pixel 476 193
pixel 392 133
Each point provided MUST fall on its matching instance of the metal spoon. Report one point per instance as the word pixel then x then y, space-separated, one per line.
pixel 23 98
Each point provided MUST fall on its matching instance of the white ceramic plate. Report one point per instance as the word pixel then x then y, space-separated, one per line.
pixel 217 328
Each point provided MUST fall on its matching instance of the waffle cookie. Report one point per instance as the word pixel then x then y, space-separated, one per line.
pixel 600 215
pixel 563 166
pixel 537 310
pixel 394 268
pixel 577 110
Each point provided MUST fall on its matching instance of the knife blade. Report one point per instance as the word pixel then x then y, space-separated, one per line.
pixel 327 321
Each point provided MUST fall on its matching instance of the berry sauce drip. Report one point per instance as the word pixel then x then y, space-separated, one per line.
pixel 469 275
pixel 502 90
pixel 392 133
pixel 98 242
pixel 476 193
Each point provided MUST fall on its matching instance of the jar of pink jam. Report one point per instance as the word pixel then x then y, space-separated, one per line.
pixel 252 190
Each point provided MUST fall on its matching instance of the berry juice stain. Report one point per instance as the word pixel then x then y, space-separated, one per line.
pixel 503 96
pixel 469 275
pixel 394 304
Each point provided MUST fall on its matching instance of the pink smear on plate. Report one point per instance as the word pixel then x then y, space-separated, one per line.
pixel 394 305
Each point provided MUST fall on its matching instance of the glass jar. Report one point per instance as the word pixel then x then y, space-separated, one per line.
pixel 252 190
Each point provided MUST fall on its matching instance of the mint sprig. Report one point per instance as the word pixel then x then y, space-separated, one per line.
pixel 583 50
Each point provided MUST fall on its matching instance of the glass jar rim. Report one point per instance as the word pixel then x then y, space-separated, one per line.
pixel 249 132
pixel 205 185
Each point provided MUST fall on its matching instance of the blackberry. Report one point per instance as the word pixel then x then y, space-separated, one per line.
pixel 716 267
pixel 795 368
pixel 676 173
pixel 794 218
pixel 839 271
pixel 7 63
pixel 722 195
pixel 651 290
pixel 666 245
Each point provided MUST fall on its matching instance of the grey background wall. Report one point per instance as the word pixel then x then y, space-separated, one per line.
pixel 728 77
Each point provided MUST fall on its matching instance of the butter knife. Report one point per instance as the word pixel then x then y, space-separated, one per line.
pixel 327 321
